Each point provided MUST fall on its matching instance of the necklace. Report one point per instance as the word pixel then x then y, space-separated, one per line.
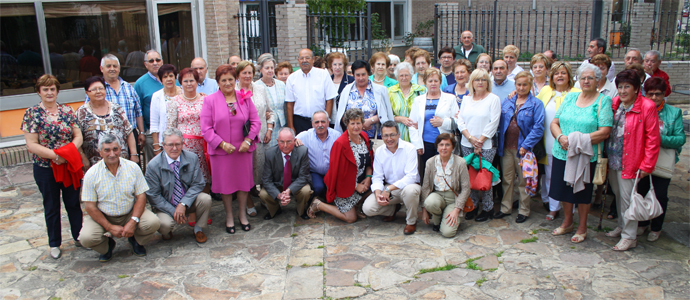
pixel 380 81
pixel 190 99
pixel 55 114
pixel 273 81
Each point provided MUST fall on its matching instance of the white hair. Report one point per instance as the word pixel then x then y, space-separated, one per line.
pixel 403 65
pixel 109 57
pixel 107 139
pixel 588 67
pixel 394 59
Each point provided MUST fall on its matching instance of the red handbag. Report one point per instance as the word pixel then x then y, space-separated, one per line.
pixel 480 180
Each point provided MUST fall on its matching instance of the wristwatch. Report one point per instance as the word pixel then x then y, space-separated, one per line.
pixel 387 190
pixel 135 219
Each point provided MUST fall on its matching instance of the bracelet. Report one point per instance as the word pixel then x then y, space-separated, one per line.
pixel 270 128
pixel 156 144
pixel 248 142
pixel 222 143
pixel 368 176
pixel 133 154
pixel 559 136
pixel 159 149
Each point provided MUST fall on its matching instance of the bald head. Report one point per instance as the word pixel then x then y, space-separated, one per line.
pixel 306 60
pixel 234 60
pixel 199 64
pixel 633 57
pixel 500 71
pixel 467 39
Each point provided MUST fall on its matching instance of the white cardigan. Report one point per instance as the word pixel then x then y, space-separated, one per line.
pixel 446 109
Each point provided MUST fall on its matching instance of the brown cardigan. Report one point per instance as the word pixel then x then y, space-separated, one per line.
pixel 459 180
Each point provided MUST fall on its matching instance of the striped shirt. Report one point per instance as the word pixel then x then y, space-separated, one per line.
pixel 114 195
pixel 127 98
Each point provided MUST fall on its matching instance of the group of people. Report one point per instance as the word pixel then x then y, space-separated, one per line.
pixel 393 133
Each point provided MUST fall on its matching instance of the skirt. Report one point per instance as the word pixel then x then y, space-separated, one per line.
pixel 560 191
pixel 231 173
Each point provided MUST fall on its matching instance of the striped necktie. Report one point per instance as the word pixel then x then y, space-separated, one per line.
pixel 178 191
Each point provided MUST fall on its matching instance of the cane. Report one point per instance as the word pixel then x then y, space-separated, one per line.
pixel 603 201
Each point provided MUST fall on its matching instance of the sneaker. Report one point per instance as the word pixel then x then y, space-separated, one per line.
pixel 139 250
pixel 55 252
pixel 108 255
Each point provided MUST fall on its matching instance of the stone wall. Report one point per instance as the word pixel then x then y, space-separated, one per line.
pixel 291 26
pixel 217 37
pixel 642 23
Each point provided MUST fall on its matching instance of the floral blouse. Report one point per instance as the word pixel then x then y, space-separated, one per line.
pixel 439 182
pixel 615 142
pixel 51 134
pixel 94 126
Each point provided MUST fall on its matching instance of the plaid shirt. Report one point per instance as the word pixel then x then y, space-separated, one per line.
pixel 114 195
pixel 127 99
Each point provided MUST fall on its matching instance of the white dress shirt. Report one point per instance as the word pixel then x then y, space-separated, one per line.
pixel 398 169
pixel 309 91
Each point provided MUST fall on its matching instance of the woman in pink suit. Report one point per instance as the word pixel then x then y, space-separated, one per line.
pixel 223 116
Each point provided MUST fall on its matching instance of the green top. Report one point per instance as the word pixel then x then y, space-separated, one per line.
pixel 387 82
pixel 401 106
pixel 671 128
pixel 572 118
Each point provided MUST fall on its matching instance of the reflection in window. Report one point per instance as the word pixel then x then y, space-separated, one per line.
pixel 80 33
pixel 176 31
pixel 20 49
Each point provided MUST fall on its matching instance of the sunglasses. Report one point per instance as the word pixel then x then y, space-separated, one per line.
pixel 154 59
pixel 232 108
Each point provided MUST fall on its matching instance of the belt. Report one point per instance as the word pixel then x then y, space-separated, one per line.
pixel 298 116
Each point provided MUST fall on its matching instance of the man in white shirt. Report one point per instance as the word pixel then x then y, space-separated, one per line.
pixel 395 179
pixel 206 85
pixel 598 46
pixel 306 91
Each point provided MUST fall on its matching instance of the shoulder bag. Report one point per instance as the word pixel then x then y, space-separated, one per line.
pixel 480 180
pixel 602 163
pixel 665 164
pixel 643 208
pixel 469 205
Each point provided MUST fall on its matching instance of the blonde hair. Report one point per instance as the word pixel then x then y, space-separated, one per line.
pixel 432 72
pixel 421 52
pixel 568 69
pixel 540 57
pixel 527 74
pixel 511 49
pixel 244 64
pixel 479 74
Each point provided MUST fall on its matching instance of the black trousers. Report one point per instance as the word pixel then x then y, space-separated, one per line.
pixel 301 123
pixel 429 152
pixel 661 191
pixel 51 205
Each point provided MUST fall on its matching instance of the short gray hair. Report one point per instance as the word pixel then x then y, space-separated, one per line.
pixel 264 58
pixel 322 112
pixel 107 139
pixel 655 53
pixel 639 53
pixel 288 129
pixel 172 131
pixel 403 65
pixel 109 57
pixel 353 114
pixel 588 67
pixel 151 51
pixel 394 59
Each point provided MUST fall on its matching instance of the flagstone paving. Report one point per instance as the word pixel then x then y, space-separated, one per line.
pixel 289 258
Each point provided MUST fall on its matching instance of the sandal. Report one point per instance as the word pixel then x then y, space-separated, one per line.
pixel 313 208
pixel 230 229
pixel 550 217
pixel 245 227
pixel 625 244
pixel 615 233
pixel 578 238
pixel 562 231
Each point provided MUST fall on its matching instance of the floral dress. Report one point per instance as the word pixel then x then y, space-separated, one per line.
pixel 93 127
pixel 367 103
pixel 51 134
pixel 184 115
pixel 363 159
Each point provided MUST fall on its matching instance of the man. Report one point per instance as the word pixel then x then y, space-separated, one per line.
pixel 501 85
pixel 119 91
pixel 114 197
pixel 286 176
pixel 145 86
pixel 634 56
pixel 175 187
pixel 469 50
pixel 319 140
pixel 652 60
pixel 207 85
pixel 598 46
pixel 234 60
pixel 550 54
pixel 306 91
pixel 447 56
pixel 395 179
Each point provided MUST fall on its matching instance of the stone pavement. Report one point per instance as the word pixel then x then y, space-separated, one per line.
pixel 289 258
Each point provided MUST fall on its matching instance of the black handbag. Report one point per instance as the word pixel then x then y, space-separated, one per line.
pixel 246 128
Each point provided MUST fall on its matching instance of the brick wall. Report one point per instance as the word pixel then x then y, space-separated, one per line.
pixel 217 46
pixel 642 21
pixel 291 25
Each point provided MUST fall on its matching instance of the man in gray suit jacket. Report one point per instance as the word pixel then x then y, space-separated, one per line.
pixel 286 176
pixel 175 187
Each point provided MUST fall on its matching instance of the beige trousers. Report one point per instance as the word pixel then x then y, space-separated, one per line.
pixel 409 196
pixel 440 204
pixel 512 176
pixel 201 206
pixel 91 235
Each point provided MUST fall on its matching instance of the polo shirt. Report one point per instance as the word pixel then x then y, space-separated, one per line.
pixel 114 194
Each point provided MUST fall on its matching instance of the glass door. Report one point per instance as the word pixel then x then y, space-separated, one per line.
pixel 177 32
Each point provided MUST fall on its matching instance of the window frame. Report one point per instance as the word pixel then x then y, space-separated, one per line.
pixel 407 15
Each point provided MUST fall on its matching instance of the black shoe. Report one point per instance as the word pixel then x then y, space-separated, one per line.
pixel 483 216
pixel 245 227
pixel 436 228
pixel 305 217
pixel 471 215
pixel 546 207
pixel 139 250
pixel 520 219
pixel 216 196
pixel 516 204
pixel 108 255
pixel 500 215
pixel 230 229
pixel 268 215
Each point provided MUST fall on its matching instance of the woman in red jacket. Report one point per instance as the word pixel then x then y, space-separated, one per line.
pixel 635 132
pixel 351 159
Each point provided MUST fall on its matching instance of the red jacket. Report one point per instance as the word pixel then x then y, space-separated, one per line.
pixel 341 177
pixel 69 173
pixel 661 74
pixel 642 140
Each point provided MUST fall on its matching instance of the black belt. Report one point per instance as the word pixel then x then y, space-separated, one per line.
pixel 301 117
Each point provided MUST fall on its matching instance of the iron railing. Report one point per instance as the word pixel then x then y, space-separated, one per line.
pixel 346 32
pixel 250 30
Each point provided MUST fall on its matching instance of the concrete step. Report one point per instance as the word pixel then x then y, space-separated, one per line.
pixel 14 155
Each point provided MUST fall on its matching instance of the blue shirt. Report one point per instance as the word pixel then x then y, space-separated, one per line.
pixel 430 132
pixel 319 152
pixel 127 98
pixel 444 81
pixel 145 86
pixel 503 90
pixel 208 86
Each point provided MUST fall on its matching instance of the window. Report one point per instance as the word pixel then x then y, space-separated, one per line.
pixel 22 61
pixel 177 34
pixel 392 16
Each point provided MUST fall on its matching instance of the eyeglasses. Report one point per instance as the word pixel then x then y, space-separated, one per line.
pixel 589 78
pixel 175 145
pixel 659 94
pixel 389 136
pixel 98 89
pixel 446 57
pixel 154 59
pixel 233 111
pixel 481 79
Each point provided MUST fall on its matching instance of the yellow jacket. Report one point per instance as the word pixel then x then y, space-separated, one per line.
pixel 545 96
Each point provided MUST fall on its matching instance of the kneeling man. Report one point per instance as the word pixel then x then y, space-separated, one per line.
pixel 286 175
pixel 114 196
pixel 175 187
pixel 395 179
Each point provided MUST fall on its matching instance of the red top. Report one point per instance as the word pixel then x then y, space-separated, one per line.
pixel 341 177
pixel 642 139
pixel 69 173
pixel 661 74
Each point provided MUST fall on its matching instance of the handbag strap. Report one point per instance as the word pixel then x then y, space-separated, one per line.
pixel 450 187
pixel 601 144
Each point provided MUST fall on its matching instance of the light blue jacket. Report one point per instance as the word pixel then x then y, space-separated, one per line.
pixel 530 120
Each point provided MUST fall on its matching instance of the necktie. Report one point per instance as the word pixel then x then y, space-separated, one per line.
pixel 178 191
pixel 287 173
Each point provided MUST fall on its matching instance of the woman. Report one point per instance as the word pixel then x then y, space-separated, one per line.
pixel 259 96
pixel 49 126
pixel 183 114
pixel 478 120
pixel 370 98
pixel 604 86
pixel 635 132
pixel 510 56
pixel 484 61
pixel 159 116
pixel 337 63
pixel 380 62
pixel 540 66
pixel 433 113
pixel 672 140
pixel 351 162
pixel 445 188
pixel 276 94
pixel 552 95
pixel 579 113
pixel 98 117
pixel 283 71
pixel 395 60
pixel 521 128
pixel 402 96
pixel 223 118
pixel 461 69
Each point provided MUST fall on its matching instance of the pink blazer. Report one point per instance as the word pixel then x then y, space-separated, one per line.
pixel 215 123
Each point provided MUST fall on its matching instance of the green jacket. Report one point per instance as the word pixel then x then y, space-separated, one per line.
pixel 476 50
pixel 473 161
pixel 671 125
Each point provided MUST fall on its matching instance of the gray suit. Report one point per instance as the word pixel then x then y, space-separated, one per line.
pixel 272 179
